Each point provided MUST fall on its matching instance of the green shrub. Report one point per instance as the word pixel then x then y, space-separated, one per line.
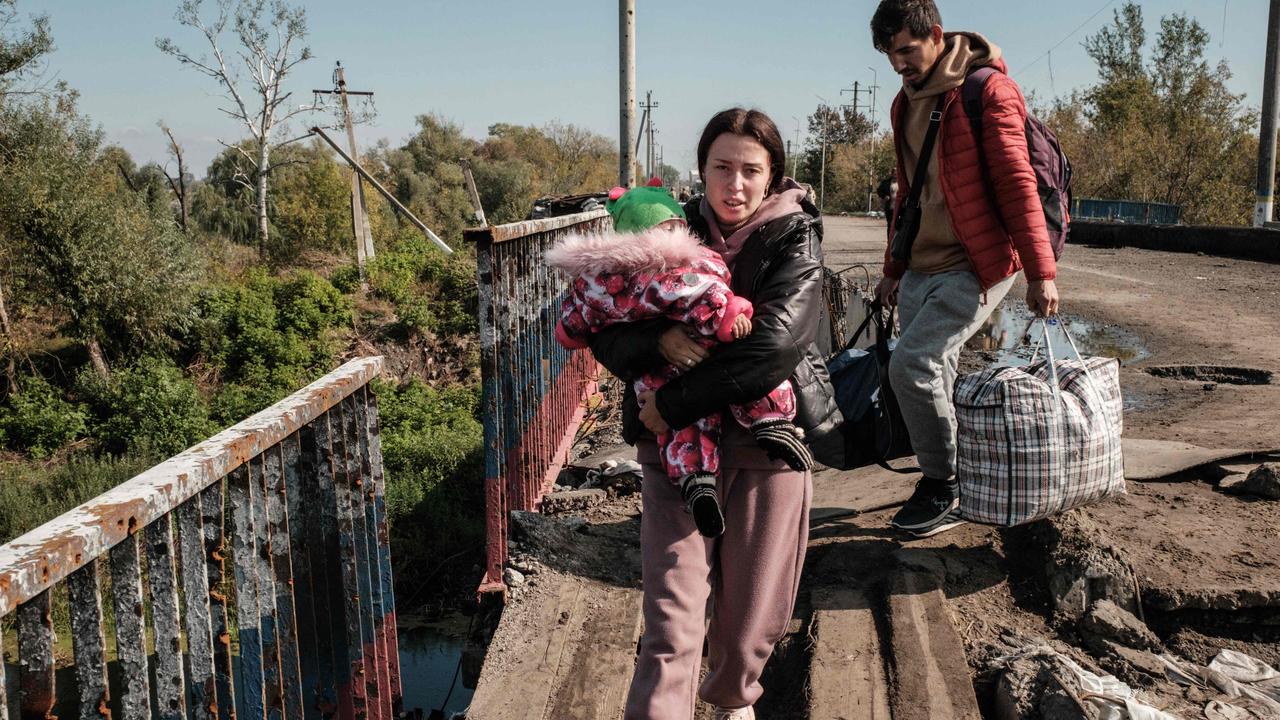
pixel 432 292
pixel 39 420
pixel 346 278
pixel 148 408
pixel 267 336
pixel 432 446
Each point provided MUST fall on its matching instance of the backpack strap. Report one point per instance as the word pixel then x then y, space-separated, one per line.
pixel 971 98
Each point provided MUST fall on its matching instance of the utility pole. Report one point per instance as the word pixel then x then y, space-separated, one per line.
pixel 648 106
pixel 626 92
pixel 1270 119
pixel 360 229
pixel 795 161
pixel 858 91
pixel 822 177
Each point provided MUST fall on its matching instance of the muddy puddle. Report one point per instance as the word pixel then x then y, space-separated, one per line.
pixel 1009 337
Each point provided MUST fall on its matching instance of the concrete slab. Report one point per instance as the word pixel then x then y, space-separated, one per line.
pixel 1192 547
pixel 839 493
pixel 1154 459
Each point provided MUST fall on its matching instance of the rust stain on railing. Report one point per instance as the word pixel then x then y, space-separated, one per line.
pixel 313 458
pixel 533 388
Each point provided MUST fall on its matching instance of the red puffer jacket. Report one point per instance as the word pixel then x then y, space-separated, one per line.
pixel 996 249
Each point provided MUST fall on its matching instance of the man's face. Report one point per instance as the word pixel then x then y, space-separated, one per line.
pixel 913 57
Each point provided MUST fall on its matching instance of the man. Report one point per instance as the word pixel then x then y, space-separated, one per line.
pixel 976 231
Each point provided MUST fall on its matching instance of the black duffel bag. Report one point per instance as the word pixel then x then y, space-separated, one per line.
pixel 874 431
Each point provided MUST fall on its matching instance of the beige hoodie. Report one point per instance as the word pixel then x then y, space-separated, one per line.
pixel 936 249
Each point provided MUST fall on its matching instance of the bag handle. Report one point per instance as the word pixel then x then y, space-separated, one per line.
pixel 1045 323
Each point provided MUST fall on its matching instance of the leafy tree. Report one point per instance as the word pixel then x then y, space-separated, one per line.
pixel 1163 127
pixel 310 206
pixel 846 133
pixel 20 51
pixel 116 271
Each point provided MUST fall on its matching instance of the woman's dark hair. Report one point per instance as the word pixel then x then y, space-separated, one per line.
pixel 753 124
pixel 893 16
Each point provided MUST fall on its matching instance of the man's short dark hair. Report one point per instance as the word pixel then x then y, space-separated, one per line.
pixel 894 16
pixel 753 124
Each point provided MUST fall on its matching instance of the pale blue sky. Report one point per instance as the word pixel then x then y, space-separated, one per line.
pixel 489 61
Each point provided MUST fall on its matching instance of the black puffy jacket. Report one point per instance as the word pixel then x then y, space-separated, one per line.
pixel 779 269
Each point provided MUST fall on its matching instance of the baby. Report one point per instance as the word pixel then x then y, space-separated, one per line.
pixel 652 267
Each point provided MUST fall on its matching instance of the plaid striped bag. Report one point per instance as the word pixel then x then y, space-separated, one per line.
pixel 1029 448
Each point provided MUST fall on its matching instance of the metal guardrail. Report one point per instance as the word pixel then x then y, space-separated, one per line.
pixel 533 388
pixel 1126 211
pixel 304 624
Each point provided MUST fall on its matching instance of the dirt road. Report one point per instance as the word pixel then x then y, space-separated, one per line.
pixel 1183 309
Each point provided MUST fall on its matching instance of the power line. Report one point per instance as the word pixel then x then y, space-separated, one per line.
pixel 1068 36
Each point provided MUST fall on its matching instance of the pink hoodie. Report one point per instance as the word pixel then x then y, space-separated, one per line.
pixel 781 202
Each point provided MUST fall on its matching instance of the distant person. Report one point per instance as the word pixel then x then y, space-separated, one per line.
pixel 887 190
pixel 769 235
pixel 653 267
pixel 953 254
pixel 684 195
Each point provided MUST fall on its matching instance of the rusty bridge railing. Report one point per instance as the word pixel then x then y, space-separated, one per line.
pixel 533 388
pixel 248 576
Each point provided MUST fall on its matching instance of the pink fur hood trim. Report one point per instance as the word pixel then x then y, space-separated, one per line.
pixel 653 250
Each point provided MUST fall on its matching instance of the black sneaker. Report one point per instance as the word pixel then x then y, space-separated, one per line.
pixel 699 492
pixel 948 521
pixel 929 505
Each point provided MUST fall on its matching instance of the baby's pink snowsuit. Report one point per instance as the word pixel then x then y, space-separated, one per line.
pixel 662 272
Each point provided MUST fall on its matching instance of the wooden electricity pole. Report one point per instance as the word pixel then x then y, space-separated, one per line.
pixel 360 229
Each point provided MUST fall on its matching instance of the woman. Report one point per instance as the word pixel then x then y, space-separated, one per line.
pixel 769 235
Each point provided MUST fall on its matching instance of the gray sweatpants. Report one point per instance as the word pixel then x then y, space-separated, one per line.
pixel 937 314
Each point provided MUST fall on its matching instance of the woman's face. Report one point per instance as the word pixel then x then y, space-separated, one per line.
pixel 737 177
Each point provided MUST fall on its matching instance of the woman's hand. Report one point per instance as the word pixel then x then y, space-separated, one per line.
pixel 649 414
pixel 679 349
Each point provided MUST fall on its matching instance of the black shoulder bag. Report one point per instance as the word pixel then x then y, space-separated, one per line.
pixel 907 223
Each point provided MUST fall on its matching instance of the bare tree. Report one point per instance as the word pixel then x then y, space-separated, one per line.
pixel 179 184
pixel 269 35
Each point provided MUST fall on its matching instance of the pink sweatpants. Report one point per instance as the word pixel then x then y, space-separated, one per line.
pixel 754 570
pixel 696 447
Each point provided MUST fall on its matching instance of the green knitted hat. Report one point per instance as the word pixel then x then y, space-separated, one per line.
pixel 641 208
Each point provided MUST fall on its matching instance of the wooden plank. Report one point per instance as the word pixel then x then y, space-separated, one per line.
pixel 931 679
pixel 389 629
pixel 250 694
pixel 847 678
pixel 595 685
pixel 300 508
pixel 350 566
pixel 522 688
pixel 131 635
pixel 35 657
pixel 368 575
pixel 195 595
pixel 43 557
pixel 278 538
pixel 212 516
pixel 348 665
pixel 84 595
pixel 170 687
pixel 264 575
